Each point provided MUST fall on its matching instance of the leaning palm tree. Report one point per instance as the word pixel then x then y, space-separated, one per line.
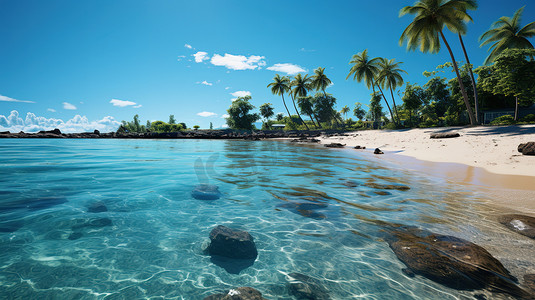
pixel 299 83
pixel 301 86
pixel 307 107
pixel 344 111
pixel 320 81
pixel 426 30
pixel 367 69
pixel 506 33
pixel 390 77
pixel 279 86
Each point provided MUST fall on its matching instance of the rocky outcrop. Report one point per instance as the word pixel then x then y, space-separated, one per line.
pixel 206 192
pixel 241 293
pixel 232 243
pixel 444 135
pixel 306 287
pixel 377 151
pixel 334 145
pixel 521 224
pixel 527 148
pixel 359 147
pixel 305 140
pixel 451 261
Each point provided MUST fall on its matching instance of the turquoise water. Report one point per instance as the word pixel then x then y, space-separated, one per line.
pixel 149 243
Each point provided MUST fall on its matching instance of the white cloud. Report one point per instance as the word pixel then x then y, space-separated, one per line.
pixel 122 103
pixel 228 87
pixel 51 110
pixel 225 116
pixel 206 114
pixel 241 94
pixel 188 46
pixel 238 62
pixel 180 57
pixel 7 99
pixel 138 106
pixel 200 56
pixel 289 69
pixel 67 105
pixel 34 123
pixel 207 83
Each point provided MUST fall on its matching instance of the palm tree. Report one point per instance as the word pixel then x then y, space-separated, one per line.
pixel 506 33
pixel 367 69
pixel 390 77
pixel 320 81
pixel 299 83
pixel 426 30
pixel 307 107
pixel 279 86
pixel 344 111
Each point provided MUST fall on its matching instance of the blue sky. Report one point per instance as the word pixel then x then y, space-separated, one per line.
pixel 93 63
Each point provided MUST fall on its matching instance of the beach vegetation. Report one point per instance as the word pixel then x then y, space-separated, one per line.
pixel 306 105
pixel 196 127
pixel 161 126
pixel 320 82
pixel 389 77
pixel 358 111
pixel 375 113
pixel 172 119
pixel 279 86
pixel 240 116
pixel 133 126
pixel 266 111
pixel 299 86
pixel 503 120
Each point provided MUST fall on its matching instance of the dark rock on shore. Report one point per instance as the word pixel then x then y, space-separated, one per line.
pixel 451 261
pixel 379 186
pixel 359 147
pixel 232 243
pixel 444 135
pixel 527 148
pixel 529 282
pixel 306 287
pixel 377 151
pixel 241 293
pixel 334 145
pixel 523 225
pixel 206 192
pixel 305 140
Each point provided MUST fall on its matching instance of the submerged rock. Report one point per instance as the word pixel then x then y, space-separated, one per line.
pixel 350 183
pixel 451 261
pixel 306 287
pixel 524 225
pixel 444 135
pixel 306 209
pixel 241 293
pixel 232 243
pixel 97 207
pixel 382 193
pixel 206 192
pixel 379 186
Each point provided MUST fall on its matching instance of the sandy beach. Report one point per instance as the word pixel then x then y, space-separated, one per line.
pixel 483 155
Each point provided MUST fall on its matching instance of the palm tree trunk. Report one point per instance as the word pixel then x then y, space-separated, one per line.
pixel 284 102
pixel 395 108
pixel 388 105
pixel 461 85
pixel 333 116
pixel 516 108
pixel 312 119
pixel 476 101
pixel 302 121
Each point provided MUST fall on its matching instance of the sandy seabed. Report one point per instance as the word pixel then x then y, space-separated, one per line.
pixel 485 156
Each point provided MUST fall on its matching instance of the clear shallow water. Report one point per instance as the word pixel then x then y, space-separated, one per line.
pixel 52 247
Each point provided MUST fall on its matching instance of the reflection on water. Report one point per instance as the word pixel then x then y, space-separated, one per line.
pixel 312 212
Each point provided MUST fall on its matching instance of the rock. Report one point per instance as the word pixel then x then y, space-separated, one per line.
pixel 529 281
pixel 382 193
pixel 305 140
pixel 306 287
pixel 232 243
pixel 444 135
pixel 97 207
pixel 350 183
pixel 241 293
pixel 377 151
pixel 206 192
pixel 359 147
pixel 527 148
pixel 334 145
pixel 97 132
pixel 524 225
pixel 55 131
pixel 379 186
pixel 451 261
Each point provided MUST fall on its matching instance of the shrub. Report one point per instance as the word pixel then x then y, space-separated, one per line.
pixel 503 120
pixel 528 119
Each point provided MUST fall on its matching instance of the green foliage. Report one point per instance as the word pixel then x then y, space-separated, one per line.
pixel 528 118
pixel 364 68
pixel 172 119
pixel 320 81
pixel 161 126
pixel 183 125
pixel 507 34
pixel 503 120
pixel 279 117
pixel 133 126
pixel 211 125
pixel 323 107
pixel 376 110
pixel 266 110
pixel 358 111
pixel 239 116
pixel 279 86
pixel 196 127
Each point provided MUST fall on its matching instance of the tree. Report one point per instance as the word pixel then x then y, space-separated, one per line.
pixel 133 126
pixel 239 116
pixel 279 86
pixel 172 119
pixel 413 98
pixel 307 107
pixel 266 111
pixel 344 111
pixel 324 107
pixel 512 74
pixel 425 31
pixel 507 34
pixel 320 81
pixel 358 111
pixel 301 85
pixel 376 110
pixel 279 117
pixel 148 125
pixel 390 77
pixel 196 127
pixel 211 125
pixel 367 69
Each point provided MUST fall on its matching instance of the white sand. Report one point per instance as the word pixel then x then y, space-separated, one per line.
pixel 493 148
